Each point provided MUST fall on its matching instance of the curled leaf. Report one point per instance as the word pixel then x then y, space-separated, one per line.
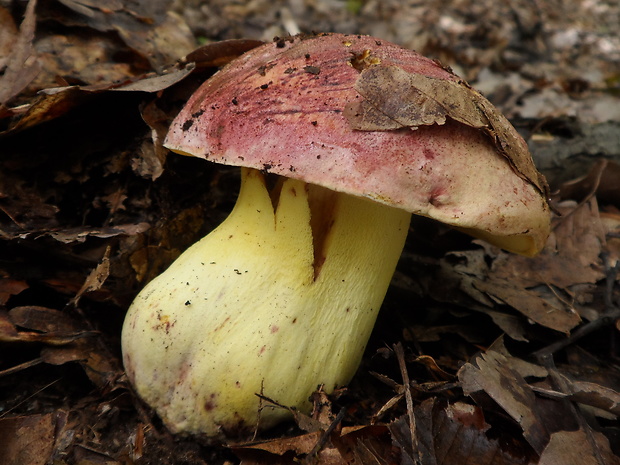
pixel 395 98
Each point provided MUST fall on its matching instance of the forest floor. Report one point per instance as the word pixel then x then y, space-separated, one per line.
pixel 478 356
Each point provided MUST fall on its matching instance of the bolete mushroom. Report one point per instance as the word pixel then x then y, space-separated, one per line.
pixel 283 295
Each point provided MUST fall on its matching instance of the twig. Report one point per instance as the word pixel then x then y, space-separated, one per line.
pixel 320 444
pixel 400 356
pixel 21 366
pixel 560 385
pixel 3 414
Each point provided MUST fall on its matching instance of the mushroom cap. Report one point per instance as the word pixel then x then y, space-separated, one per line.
pixel 363 116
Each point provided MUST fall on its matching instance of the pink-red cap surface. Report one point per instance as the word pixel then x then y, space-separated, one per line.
pixel 305 108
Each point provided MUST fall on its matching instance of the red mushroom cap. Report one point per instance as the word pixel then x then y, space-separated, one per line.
pixel 372 119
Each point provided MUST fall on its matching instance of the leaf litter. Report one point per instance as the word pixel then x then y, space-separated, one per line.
pixel 509 363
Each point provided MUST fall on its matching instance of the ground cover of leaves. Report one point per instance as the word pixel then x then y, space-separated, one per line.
pixel 478 357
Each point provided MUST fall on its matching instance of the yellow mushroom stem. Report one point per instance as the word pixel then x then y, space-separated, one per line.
pixel 276 300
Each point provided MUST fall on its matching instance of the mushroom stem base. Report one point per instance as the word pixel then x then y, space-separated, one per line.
pixel 276 301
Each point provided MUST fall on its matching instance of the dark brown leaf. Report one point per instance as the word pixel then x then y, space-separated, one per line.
pixel 219 53
pixel 545 310
pixel 490 372
pixel 43 319
pixel 449 435
pixel 27 440
pixel 601 180
pixel 10 287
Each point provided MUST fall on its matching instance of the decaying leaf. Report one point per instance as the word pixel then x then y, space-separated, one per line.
pixel 77 235
pixel 96 278
pixel 42 325
pixel 578 448
pixel 10 287
pixel 449 435
pixel 415 100
pixel 490 372
pixel 147 28
pixel 219 53
pixel 572 254
pixel 552 289
pixel 21 65
pixel 8 35
pixel 544 310
pixel 601 180
pixel 593 394
pixel 27 440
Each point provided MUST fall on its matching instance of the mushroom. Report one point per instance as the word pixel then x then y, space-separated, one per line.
pixel 341 138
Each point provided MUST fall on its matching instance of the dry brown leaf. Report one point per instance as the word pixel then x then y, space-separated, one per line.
pixel 21 65
pixel 219 53
pixel 147 28
pixel 27 440
pixel 55 102
pixel 524 368
pixel 43 319
pixel 602 180
pixel 550 288
pixel 593 394
pixel 415 100
pixel 8 35
pixel 545 310
pixel 68 59
pixel 511 325
pixel 449 435
pixel 78 235
pixel 578 448
pixel 47 325
pixel 570 257
pixel 490 372
pixel 96 278
pixel 66 341
pixel 24 205
pixel 10 287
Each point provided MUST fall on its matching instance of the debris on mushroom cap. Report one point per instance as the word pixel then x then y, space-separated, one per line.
pixel 370 118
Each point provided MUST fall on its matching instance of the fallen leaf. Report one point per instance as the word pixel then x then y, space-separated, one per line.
pixel 449 435
pixel 578 448
pixel 572 254
pixel 96 278
pixel 415 100
pixel 601 180
pixel 593 394
pixel 78 235
pixel 27 440
pixel 523 367
pixel 47 325
pixel 219 53
pixel 490 372
pixel 8 36
pixel 43 319
pixel 52 103
pixel 21 65
pixel 545 310
pixel 147 28
pixel 10 287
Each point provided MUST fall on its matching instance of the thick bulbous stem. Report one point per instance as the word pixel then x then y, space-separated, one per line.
pixel 276 300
